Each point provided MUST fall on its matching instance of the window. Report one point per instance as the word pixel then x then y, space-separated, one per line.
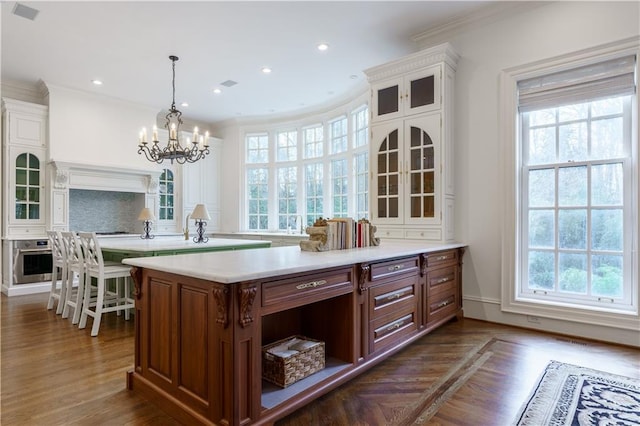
pixel 575 188
pixel 339 187
pixel 313 177
pixel 295 176
pixel 338 131
pixel 313 142
pixel 166 195
pixel 258 198
pixel 287 198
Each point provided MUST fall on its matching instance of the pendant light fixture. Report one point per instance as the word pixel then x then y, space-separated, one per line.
pixel 193 150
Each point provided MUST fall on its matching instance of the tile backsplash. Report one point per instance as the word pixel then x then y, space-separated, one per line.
pixel 104 211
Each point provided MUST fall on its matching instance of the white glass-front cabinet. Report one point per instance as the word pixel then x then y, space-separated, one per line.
pixel 24 152
pixel 412 191
pixel 406 171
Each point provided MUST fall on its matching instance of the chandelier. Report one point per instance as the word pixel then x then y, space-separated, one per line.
pixel 193 150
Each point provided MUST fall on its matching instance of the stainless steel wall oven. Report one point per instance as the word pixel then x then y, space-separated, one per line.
pixel 32 261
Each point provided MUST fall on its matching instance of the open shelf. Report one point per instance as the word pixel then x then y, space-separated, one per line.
pixel 273 395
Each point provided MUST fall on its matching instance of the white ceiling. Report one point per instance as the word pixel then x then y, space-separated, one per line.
pixel 127 44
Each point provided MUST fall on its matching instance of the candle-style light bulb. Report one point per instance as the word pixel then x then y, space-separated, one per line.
pixel 172 133
pixel 155 133
pixel 206 139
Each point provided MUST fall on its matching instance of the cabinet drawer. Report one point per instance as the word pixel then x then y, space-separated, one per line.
pixel 423 234
pixel 390 329
pixel 394 268
pixel 392 297
pixel 441 306
pixel 297 291
pixel 441 258
pixel 442 280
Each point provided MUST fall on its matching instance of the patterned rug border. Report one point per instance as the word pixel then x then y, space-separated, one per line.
pixel 555 398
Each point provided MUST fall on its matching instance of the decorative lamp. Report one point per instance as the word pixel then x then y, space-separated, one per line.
pixel 146 215
pixel 200 214
pixel 190 153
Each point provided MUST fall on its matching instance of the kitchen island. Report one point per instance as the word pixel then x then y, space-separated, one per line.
pixel 202 320
pixel 116 249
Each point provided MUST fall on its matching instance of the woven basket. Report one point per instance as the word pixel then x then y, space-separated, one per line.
pixel 286 371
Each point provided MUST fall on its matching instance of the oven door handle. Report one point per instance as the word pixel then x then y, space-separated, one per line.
pixel 33 251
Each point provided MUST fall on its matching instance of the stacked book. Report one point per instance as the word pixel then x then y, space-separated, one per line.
pixel 345 233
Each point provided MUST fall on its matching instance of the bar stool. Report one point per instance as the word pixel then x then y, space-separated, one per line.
pixel 59 261
pixel 75 266
pixel 105 300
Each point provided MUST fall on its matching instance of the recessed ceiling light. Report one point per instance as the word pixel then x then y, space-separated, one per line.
pixel 323 46
pixel 217 91
pixel 25 11
pixel 266 70
pixel 353 76
pixel 97 82
pixel 184 104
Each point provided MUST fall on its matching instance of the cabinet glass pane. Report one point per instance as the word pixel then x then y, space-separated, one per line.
pixel 382 207
pixel 428 158
pixel 393 207
pixel 21 177
pixel 393 185
pixel 415 137
pixel 34 163
pixel 382 163
pixel 416 159
pixel 21 193
pixel 416 207
pixel 34 211
pixel 429 206
pixel 429 182
pixel 34 177
pixel 422 91
pixel 34 195
pixel 21 161
pixel 382 185
pixel 415 183
pixel 163 213
pixel 388 100
pixel 393 162
pixel 393 140
pixel 21 211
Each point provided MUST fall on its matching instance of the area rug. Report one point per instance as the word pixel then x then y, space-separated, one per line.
pixel 570 395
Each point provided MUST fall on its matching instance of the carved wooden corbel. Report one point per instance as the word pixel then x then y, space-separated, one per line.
pixel 364 274
pixel 247 296
pixel 136 275
pixel 423 265
pixel 61 179
pixel 221 295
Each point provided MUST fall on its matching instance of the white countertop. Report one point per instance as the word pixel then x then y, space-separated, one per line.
pixel 171 243
pixel 251 264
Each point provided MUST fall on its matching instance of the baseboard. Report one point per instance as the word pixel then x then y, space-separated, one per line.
pixel 490 310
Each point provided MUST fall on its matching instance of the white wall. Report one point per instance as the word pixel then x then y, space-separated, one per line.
pixel 92 129
pixel 529 35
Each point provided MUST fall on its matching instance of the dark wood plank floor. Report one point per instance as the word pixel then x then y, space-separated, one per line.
pixel 465 373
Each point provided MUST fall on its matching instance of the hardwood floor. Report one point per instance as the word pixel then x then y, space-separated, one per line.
pixel 465 373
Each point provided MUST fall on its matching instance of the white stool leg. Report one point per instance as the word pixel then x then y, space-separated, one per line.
pixel 99 305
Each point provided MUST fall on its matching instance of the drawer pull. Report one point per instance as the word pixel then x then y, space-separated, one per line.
pixel 312 284
pixel 442 257
pixel 396 267
pixel 442 280
pixel 443 304
pixel 394 296
pixel 395 326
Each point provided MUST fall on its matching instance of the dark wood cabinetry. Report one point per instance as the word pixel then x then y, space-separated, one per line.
pixel 198 342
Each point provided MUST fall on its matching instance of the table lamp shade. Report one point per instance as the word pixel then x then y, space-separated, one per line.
pixel 200 213
pixel 146 214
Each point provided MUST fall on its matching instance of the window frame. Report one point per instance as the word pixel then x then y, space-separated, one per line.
pixel 273 132
pixel 509 127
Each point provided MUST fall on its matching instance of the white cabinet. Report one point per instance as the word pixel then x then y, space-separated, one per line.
pixel 201 185
pixel 414 93
pixel 24 160
pixel 412 188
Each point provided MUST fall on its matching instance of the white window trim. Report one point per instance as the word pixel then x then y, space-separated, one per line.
pixel 510 149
